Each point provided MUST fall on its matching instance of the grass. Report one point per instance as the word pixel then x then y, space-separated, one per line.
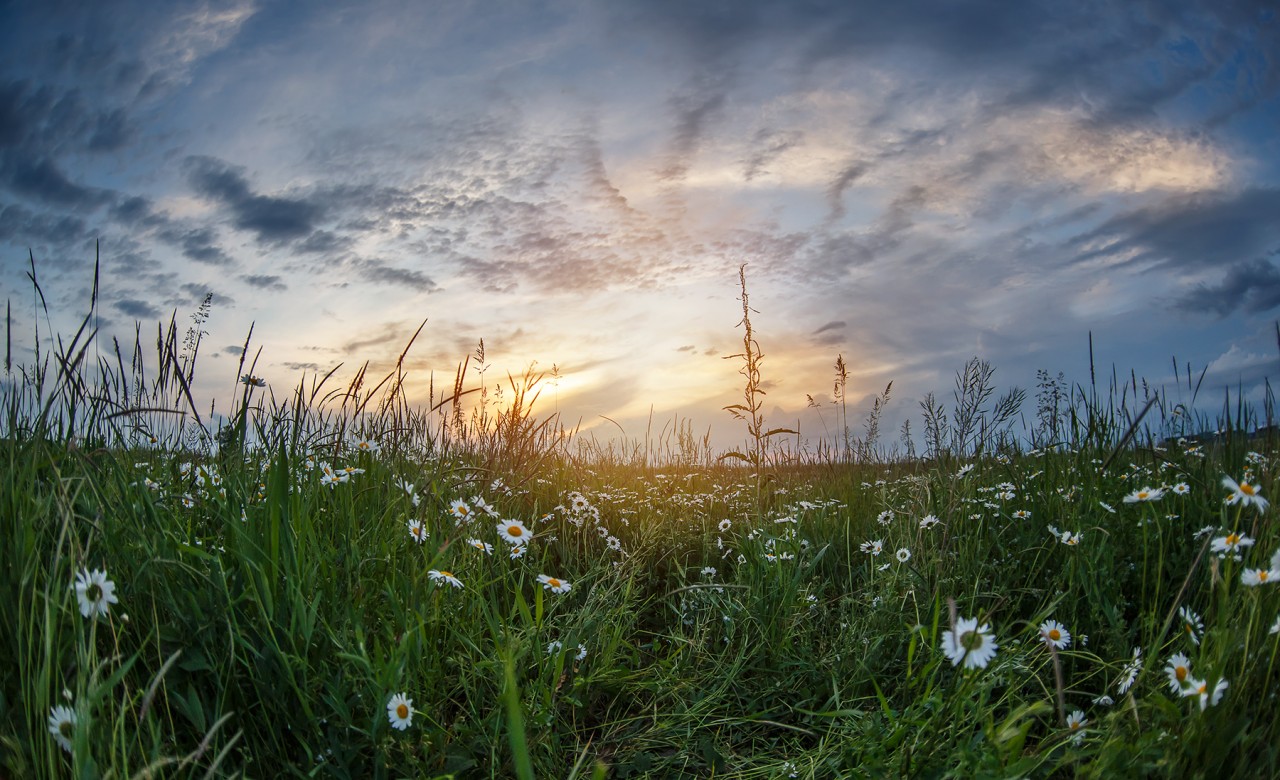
pixel 786 618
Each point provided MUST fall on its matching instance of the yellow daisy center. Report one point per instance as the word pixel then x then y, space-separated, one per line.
pixel 1180 673
pixel 1247 489
pixel 1055 634
pixel 1075 725
pixel 446 574
pixel 402 711
pixel 515 530
pixel 1262 576
pixel 1142 494
pixel 1233 539
pixel 553 582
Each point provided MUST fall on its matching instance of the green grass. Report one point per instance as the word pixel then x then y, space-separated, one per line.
pixel 267 613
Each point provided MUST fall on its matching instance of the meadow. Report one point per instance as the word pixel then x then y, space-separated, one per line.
pixel 335 583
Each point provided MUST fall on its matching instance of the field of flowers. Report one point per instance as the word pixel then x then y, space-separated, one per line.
pixel 335 584
pixel 348 610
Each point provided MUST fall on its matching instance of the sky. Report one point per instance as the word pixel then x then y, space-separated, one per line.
pixel 577 182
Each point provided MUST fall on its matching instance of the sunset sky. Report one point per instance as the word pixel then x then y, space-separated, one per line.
pixel 910 183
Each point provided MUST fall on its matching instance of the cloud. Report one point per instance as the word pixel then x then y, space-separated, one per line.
pixel 273 219
pixel 139 310
pixel 269 282
pixel 380 272
pixel 1252 287
pixel 42 179
pixel 1189 232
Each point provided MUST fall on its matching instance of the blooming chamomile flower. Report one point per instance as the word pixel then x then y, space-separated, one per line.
pixel 1181 488
pixel 1144 494
pixel 444 577
pixel 581 654
pixel 460 510
pixel 1129 674
pixel 1055 634
pixel 903 554
pixel 554 585
pixel 1208 698
pixel 1259 576
pixel 400 711
pixel 95 592
pixel 1178 670
pixel 62 725
pixel 1192 625
pixel 1244 493
pixel 513 532
pixel 417 532
pixel 928 521
pixel 970 643
pixel 483 547
pixel 518 552
pixel 1232 542
pixel 725 525
pixel 1075 724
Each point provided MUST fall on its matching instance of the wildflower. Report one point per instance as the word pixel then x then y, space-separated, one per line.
pixel 62 725
pixel 483 547
pixel 444 577
pixel 1181 488
pixel 554 585
pixel 725 525
pixel 928 521
pixel 1022 514
pixel 417 531
pixel 1145 494
pixel 95 592
pixel 708 571
pixel 965 469
pixel 582 653
pixel 1232 542
pixel 554 646
pixel 513 532
pixel 461 510
pixel 1006 495
pixel 1207 698
pixel 1259 576
pixel 1107 507
pixel 970 643
pixel 1192 625
pixel 578 502
pixel 1104 701
pixel 1055 634
pixel 1178 670
pixel 400 712
pixel 367 445
pixel 518 552
pixel 1070 539
pixel 904 555
pixel 249 380
pixel 1075 724
pixel 1129 674
pixel 1244 493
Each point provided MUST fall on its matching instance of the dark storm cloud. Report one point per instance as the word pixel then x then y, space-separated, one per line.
pixel 199 244
pixel 273 219
pixel 1191 232
pixel 265 282
pixel 379 272
pixel 694 111
pixel 20 224
pixel 139 310
pixel 42 179
pixel 766 145
pixel 1252 287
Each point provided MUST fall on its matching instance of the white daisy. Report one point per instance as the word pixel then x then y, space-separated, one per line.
pixel 95 592
pixel 1055 634
pixel 970 643
pixel 513 532
pixel 444 577
pixel 62 725
pixel 400 711
pixel 554 585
